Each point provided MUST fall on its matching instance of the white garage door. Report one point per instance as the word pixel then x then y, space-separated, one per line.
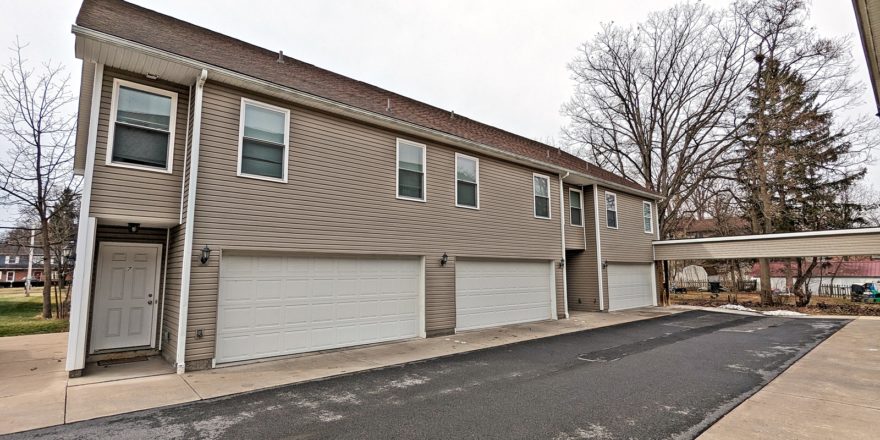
pixel 629 286
pixel 493 293
pixel 277 305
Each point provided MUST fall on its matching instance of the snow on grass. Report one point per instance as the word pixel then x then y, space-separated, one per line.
pixel 736 307
pixel 783 313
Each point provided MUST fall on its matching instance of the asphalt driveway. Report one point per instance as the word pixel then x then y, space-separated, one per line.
pixel 669 377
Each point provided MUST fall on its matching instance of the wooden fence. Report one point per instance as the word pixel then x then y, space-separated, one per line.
pixel 834 291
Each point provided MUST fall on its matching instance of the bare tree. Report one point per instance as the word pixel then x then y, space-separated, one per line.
pixel 661 102
pixel 36 166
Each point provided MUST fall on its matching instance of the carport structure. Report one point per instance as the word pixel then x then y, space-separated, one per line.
pixel 843 242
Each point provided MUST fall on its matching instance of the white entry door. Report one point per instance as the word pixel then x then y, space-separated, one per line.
pixel 493 293
pixel 630 286
pixel 278 305
pixel 126 294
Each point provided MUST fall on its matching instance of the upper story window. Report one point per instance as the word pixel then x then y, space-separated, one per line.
pixel 611 210
pixel 648 217
pixel 12 259
pixel 467 181
pixel 264 139
pixel 410 170
pixel 541 189
pixel 576 204
pixel 141 127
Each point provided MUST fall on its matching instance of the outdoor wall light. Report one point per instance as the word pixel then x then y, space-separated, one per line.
pixel 562 263
pixel 206 253
pixel 444 259
pixel 133 227
pixel 604 264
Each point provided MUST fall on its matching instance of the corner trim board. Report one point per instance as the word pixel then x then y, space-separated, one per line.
pixel 598 246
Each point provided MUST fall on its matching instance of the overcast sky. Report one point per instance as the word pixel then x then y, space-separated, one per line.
pixel 501 62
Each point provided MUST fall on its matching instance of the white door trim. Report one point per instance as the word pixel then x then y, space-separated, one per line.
pixel 156 285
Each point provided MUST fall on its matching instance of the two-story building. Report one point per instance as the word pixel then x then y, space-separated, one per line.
pixel 240 204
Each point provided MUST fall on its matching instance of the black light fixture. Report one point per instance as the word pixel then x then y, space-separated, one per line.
pixel 444 259
pixel 206 253
pixel 562 263
pixel 133 227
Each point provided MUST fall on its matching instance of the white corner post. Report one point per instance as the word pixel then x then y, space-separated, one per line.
pixel 598 246
pixel 186 271
pixel 564 260
pixel 85 242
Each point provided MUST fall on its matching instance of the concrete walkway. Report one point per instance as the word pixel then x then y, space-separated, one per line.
pixel 35 391
pixel 832 392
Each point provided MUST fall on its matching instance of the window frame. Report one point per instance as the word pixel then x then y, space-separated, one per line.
pixel 286 156
pixel 477 182
pixel 650 217
pixel 424 148
pixel 172 126
pixel 549 199
pixel 10 276
pixel 616 211
pixel 581 207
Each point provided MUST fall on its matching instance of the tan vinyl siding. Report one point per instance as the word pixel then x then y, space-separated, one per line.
pixel 770 247
pixel 583 267
pixel 83 113
pixel 340 198
pixel 171 303
pixel 130 194
pixel 629 243
pixel 574 235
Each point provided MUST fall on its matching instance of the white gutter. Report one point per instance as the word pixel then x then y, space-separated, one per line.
pixel 350 111
pixel 82 270
pixel 771 236
pixel 598 246
pixel 562 228
pixel 190 217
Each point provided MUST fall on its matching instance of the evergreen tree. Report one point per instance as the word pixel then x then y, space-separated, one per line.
pixel 796 168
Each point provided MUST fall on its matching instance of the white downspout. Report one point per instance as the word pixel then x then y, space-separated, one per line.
pixel 190 216
pixel 562 228
pixel 598 246
pixel 82 270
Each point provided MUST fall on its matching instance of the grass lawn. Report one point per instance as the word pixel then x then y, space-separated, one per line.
pixel 20 315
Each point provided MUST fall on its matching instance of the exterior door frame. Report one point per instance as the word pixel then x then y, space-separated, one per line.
pixel 154 321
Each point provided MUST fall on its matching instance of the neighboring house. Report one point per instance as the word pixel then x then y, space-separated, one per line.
pixel 14 266
pixel 711 227
pixel 833 273
pixel 240 204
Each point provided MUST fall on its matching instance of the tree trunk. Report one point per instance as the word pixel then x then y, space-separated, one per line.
pixel 766 288
pixel 47 269
pixel 803 297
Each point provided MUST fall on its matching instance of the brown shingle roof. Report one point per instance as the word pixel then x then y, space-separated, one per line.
pixel 150 28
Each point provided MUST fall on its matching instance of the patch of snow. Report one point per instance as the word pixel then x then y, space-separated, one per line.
pixel 328 416
pixel 594 431
pixel 736 307
pixel 408 381
pixel 216 426
pixel 783 313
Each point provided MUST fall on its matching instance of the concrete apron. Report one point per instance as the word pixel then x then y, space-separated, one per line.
pixel 150 384
pixel 832 392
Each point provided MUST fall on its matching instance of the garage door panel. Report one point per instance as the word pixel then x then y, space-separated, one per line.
pixel 312 303
pixel 493 293
pixel 630 286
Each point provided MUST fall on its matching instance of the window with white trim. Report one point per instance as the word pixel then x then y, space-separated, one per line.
pixel 467 181
pixel 264 141
pixel 411 159
pixel 541 191
pixel 611 210
pixel 576 207
pixel 12 259
pixel 648 217
pixel 10 277
pixel 142 120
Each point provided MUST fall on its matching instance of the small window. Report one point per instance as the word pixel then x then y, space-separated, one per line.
pixel 264 138
pixel 467 181
pixel 576 205
pixel 611 210
pixel 15 259
pixel 141 127
pixel 410 170
pixel 648 217
pixel 541 187
pixel 10 276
